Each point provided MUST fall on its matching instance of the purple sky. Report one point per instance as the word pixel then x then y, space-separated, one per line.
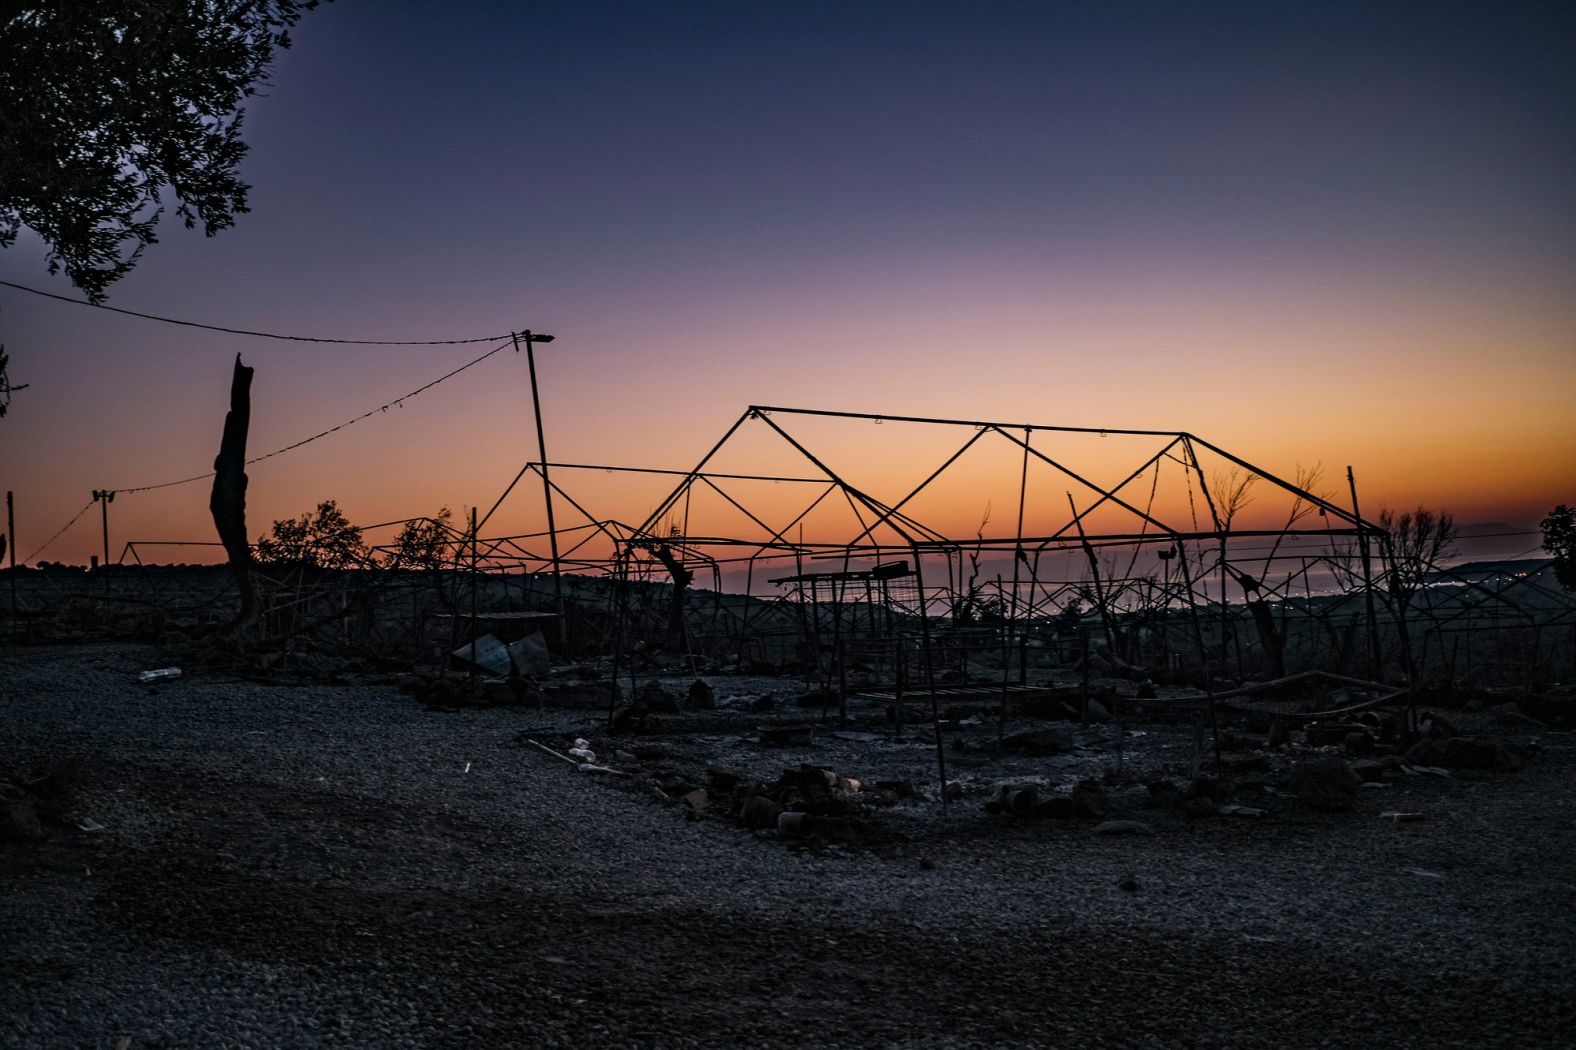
pixel 1335 232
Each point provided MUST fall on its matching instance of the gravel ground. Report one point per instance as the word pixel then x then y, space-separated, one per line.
pixel 336 866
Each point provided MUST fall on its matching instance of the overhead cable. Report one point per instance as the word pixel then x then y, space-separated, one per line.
pixel 397 402
pixel 260 335
pixel 60 533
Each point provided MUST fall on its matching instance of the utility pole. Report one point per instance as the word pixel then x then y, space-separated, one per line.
pixel 105 497
pixel 532 338
pixel 1375 667
pixel 10 535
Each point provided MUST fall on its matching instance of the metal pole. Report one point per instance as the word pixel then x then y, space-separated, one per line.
pixel 930 680
pixel 547 488
pixel 1374 667
pixel 10 533
pixel 471 672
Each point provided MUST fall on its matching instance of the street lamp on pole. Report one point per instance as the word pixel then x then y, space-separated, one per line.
pixel 530 339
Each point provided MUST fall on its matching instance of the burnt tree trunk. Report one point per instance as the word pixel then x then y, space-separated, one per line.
pixel 678 637
pixel 228 501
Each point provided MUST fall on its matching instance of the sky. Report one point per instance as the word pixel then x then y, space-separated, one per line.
pixel 1334 234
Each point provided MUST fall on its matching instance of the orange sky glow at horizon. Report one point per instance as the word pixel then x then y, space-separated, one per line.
pixel 1334 238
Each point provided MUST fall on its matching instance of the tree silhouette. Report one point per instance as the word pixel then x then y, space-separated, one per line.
pixel 322 539
pixel 108 109
pixel 1559 539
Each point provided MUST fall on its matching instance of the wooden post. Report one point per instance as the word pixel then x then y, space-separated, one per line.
pixel 10 535
pixel 227 502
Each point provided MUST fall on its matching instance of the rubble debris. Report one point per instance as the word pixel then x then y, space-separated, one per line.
pixel 1372 771
pixel 1019 801
pixel 1123 827
pixel 30 806
pixel 1056 807
pixel 900 789
pixel 761 813
pixel 159 674
pixel 1463 753
pixel 1165 795
pixel 1359 744
pixel 1510 714
pixel 1038 742
pixel 793 825
pixel 1207 788
pixel 1327 784
pixel 788 736
pixel 1232 809
pixel 591 696
pixel 487 653
pixel 655 698
pixel 701 696
pixel 529 656
pixel 697 800
pixel 635 718
pixel 1089 800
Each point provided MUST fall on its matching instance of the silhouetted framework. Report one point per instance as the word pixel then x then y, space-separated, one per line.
pixel 795 545
pixel 1136 569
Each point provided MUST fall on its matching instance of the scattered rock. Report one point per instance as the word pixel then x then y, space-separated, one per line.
pixel 1327 784
pixel 788 736
pixel 654 698
pixel 1038 742
pixel 1089 800
pixel 1165 795
pixel 1129 884
pixel 19 821
pixel 701 696
pixel 1201 808
pixel 1359 744
pixel 761 813
pixel 1207 787
pixel 1463 753
pixel 794 825
pixel 1123 827
pixel 1058 807
pixel 1233 810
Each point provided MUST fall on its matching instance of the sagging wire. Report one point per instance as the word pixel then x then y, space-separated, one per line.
pixel 396 403
pixel 245 331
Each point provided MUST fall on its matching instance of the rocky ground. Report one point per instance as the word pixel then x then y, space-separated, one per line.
pixel 301 866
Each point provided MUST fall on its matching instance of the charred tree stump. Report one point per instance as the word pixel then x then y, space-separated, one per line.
pixel 227 504
pixel 678 637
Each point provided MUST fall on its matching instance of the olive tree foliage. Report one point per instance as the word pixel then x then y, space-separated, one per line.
pixel 423 543
pixel 111 110
pixel 1559 539
pixel 321 539
pixel 325 539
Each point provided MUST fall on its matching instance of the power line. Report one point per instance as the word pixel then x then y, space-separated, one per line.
pixel 62 531
pixel 397 402
pixel 260 335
